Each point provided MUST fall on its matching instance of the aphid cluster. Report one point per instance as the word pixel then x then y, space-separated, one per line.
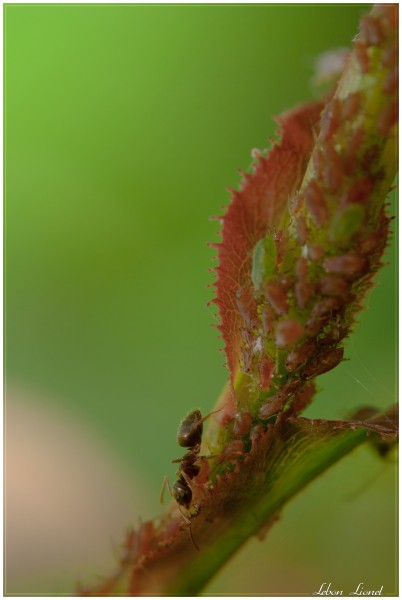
pixel 294 312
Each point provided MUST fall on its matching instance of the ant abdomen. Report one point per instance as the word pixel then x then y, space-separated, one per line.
pixel 190 430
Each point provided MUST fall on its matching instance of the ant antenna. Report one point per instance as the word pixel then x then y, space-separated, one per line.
pixel 166 482
pixel 188 521
pixel 209 414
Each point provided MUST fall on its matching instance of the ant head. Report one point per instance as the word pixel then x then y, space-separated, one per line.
pixel 182 493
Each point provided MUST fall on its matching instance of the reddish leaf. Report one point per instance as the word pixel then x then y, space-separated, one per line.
pixel 258 206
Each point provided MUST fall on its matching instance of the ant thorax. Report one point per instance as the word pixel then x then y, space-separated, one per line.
pixel 191 455
pixel 190 471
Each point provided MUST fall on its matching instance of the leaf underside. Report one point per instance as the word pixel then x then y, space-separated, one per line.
pixel 258 206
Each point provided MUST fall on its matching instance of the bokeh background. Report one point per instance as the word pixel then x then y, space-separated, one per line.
pixel 123 126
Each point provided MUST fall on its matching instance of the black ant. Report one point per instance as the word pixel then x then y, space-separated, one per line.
pixel 189 435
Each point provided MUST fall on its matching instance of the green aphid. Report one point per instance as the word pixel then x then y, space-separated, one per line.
pixel 346 223
pixel 264 261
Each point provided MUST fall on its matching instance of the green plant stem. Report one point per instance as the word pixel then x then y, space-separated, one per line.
pixel 308 453
pixel 243 501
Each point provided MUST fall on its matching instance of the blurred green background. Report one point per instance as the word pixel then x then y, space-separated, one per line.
pixel 123 126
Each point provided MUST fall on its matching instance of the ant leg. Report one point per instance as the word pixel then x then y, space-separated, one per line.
pixel 186 479
pixel 190 482
pixel 190 454
pixel 166 482
pixel 201 478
